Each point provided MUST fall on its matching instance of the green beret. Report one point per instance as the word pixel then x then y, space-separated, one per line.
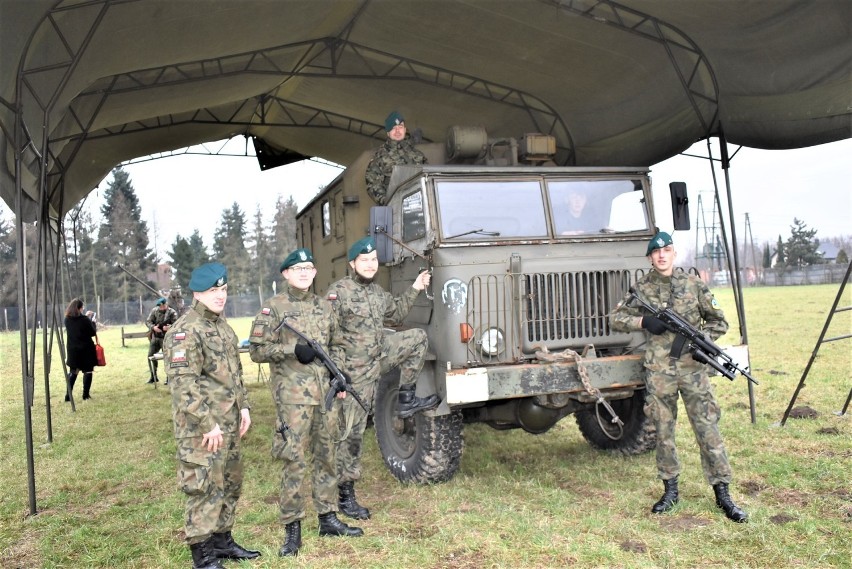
pixel 361 247
pixel 207 276
pixel 160 301
pixel 297 256
pixel 393 119
pixel 659 241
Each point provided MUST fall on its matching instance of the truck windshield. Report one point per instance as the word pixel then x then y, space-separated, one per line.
pixel 593 207
pixel 487 210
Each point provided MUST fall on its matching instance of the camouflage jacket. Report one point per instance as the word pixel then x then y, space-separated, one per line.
pixel 381 166
pixel 690 298
pixel 202 362
pixel 295 383
pixel 362 311
pixel 160 318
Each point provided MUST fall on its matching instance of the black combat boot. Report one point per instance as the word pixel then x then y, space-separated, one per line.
pixel 72 377
pixel 293 541
pixel 224 547
pixel 669 498
pixel 348 504
pixel 87 385
pixel 409 403
pixel 330 525
pixel 203 556
pixel 723 500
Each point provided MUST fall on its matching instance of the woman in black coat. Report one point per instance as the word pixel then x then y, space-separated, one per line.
pixel 81 350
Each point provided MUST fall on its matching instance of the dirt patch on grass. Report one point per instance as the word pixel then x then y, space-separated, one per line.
pixel 460 560
pixel 781 519
pixel 23 553
pixel 753 487
pixel 803 412
pixel 682 523
pixel 633 546
pixel 793 497
pixel 828 431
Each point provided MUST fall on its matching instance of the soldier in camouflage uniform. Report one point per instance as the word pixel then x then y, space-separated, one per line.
pixel 397 149
pixel 299 386
pixel 362 349
pixel 668 376
pixel 210 409
pixel 162 316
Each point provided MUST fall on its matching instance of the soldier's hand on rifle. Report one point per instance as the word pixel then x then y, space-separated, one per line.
pixel 305 354
pixel 653 325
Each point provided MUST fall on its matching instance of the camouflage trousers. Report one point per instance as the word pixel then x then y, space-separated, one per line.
pixel 704 414
pixel 406 350
pixel 212 483
pixel 305 427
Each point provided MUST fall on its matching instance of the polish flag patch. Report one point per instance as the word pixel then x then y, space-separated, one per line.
pixel 266 311
pixel 332 296
pixel 179 356
pixel 179 336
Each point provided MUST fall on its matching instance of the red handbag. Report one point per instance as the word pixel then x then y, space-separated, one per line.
pixel 100 358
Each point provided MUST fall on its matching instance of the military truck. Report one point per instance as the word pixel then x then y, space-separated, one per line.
pixel 517 310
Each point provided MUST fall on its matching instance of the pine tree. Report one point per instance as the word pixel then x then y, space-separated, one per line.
pixel 8 264
pixel 260 251
pixel 842 258
pixel 780 259
pixel 283 233
pixel 801 249
pixel 122 240
pixel 767 257
pixel 229 248
pixel 186 255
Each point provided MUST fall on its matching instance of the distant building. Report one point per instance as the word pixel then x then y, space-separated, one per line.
pixel 828 251
pixel 162 279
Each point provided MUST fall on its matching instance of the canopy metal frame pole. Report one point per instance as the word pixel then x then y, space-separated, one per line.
pixel 819 342
pixel 733 270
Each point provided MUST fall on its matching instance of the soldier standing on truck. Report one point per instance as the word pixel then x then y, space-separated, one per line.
pixel 668 376
pixel 162 316
pixel 361 348
pixel 397 149
pixel 299 387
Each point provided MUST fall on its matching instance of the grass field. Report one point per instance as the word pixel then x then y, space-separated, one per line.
pixel 107 495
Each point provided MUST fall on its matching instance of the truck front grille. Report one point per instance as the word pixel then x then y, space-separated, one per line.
pixel 556 310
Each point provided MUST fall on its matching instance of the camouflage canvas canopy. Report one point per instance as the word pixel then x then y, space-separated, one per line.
pixel 89 84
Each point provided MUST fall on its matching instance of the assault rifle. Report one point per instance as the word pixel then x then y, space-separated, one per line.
pixel 703 349
pixel 338 382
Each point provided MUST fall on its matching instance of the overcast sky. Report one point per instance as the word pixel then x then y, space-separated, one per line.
pixel 180 194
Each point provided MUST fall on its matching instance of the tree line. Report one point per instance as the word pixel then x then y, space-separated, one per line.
pixel 96 249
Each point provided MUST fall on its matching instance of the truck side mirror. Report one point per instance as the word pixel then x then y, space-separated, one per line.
pixel 381 226
pixel 680 205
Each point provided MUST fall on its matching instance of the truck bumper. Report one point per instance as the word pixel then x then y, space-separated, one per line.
pixel 481 384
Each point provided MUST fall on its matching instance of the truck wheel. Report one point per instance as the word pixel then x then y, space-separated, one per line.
pixel 639 434
pixel 421 448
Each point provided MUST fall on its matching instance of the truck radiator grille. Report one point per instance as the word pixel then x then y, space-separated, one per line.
pixel 571 307
pixel 556 310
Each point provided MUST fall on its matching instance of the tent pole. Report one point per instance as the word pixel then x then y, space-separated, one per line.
pixel 735 274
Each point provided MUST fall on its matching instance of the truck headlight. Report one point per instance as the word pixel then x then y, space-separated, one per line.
pixel 492 342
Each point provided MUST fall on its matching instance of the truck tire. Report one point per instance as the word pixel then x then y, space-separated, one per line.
pixel 640 434
pixel 421 449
